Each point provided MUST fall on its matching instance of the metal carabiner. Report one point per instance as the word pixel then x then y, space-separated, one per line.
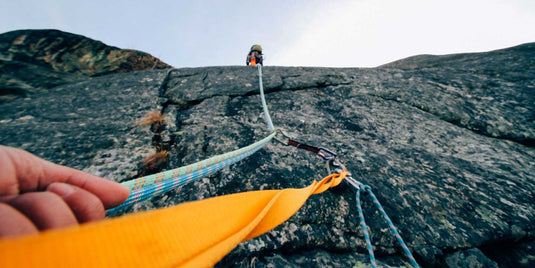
pixel 284 135
pixel 335 162
pixel 328 155
pixel 332 154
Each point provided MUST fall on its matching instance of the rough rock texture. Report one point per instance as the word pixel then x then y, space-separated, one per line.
pixel 32 60
pixel 497 82
pixel 87 125
pixel 448 150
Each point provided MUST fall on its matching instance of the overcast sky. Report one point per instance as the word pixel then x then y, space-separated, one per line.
pixel 346 33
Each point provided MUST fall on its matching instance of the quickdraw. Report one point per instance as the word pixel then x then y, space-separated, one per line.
pixel 323 152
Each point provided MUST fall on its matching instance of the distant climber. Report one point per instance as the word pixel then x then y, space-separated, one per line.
pixel 255 56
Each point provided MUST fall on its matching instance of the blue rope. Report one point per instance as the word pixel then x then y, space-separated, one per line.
pixel 368 189
pixel 366 234
pixel 149 191
pixel 146 187
pixel 140 182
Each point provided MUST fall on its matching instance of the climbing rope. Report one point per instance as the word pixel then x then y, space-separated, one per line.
pixel 146 187
pixel 360 187
pixel 365 231
pixel 264 105
pixel 170 236
pixel 161 176
pixel 366 188
pixel 329 155
pixel 149 186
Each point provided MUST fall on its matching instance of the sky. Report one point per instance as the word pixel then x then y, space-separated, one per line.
pixel 335 33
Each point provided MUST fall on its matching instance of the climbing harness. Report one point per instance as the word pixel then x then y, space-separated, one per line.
pixel 254 58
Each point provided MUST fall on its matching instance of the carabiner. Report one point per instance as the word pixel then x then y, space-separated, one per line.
pixel 341 167
pixel 314 149
pixel 279 131
pixel 332 154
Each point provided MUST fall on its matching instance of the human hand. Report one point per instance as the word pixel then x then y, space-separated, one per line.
pixel 37 195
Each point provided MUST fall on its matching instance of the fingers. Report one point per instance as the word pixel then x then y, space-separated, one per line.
pixel 8 180
pixel 61 206
pixel 85 206
pixel 73 196
pixel 25 172
pixel 14 223
pixel 45 209
pixel 110 193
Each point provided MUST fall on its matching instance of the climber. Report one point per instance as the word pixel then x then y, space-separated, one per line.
pixel 37 195
pixel 255 56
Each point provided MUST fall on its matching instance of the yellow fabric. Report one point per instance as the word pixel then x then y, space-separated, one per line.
pixel 195 234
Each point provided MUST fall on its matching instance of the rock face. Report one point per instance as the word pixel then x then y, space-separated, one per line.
pixel 33 60
pixel 447 149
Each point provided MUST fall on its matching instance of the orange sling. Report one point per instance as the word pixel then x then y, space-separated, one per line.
pixel 194 234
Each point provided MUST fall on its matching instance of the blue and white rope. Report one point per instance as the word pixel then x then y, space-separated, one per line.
pixel 149 191
pixel 366 234
pixel 145 187
pixel 368 189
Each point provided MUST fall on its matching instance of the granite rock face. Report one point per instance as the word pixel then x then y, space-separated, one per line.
pixel 448 151
pixel 502 80
pixel 35 60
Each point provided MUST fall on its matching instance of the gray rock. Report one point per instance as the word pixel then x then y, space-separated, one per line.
pixel 88 125
pixel 32 61
pixel 447 150
pixel 471 258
